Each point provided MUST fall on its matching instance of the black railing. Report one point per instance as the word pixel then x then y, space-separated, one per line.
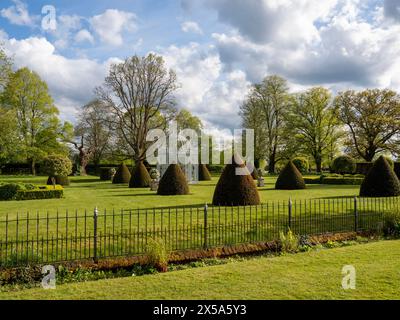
pixel 47 238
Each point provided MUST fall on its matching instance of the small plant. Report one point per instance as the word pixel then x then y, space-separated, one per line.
pixel 157 254
pixel 289 242
pixel 391 224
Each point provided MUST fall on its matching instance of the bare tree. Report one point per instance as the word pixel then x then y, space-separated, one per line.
pixel 139 92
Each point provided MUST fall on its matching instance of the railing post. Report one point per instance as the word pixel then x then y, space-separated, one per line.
pixel 290 205
pixel 355 215
pixel 205 245
pixel 95 215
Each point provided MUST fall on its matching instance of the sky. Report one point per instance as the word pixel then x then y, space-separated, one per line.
pixel 218 48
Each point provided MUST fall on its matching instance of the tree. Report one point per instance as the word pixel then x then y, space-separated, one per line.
pixel 9 143
pixel 373 120
pixel 267 100
pixel 185 120
pixel 139 92
pixel 5 68
pixel 38 126
pixel 92 134
pixel 314 122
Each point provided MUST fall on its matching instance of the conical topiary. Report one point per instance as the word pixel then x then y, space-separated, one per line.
pixel 235 190
pixel 290 178
pixel 173 182
pixel 122 175
pixel 204 174
pixel 381 181
pixel 140 177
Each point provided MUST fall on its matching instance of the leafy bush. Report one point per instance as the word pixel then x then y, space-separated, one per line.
pixel 122 175
pixel 301 164
pixel 204 174
pixel 342 180
pixel 55 165
pixel 157 254
pixel 235 190
pixel 290 178
pixel 140 177
pixel 289 242
pixel 20 191
pixel 173 182
pixel 312 180
pixel 58 180
pixel 343 165
pixel 106 174
pixel 381 181
pixel 391 224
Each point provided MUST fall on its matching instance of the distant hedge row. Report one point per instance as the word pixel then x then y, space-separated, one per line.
pixel 22 191
pixel 335 179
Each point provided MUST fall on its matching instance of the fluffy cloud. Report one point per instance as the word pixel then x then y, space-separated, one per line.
pixel 18 14
pixel 110 25
pixel 71 81
pixel 191 26
pixel 392 9
pixel 84 36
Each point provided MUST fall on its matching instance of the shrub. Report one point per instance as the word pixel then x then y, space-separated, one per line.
pixel 301 164
pixel 20 191
pixel 381 181
pixel 173 182
pixel 289 242
pixel 391 224
pixel 235 190
pixel 342 180
pixel 122 175
pixel 204 174
pixel 363 167
pixel 312 180
pixel 140 177
pixel 60 180
pixel 57 167
pixel 290 178
pixel 157 254
pixel 396 168
pixel 106 174
pixel 215 168
pixel 343 165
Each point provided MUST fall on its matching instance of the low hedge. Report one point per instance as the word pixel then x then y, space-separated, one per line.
pixel 21 191
pixel 312 180
pixel 338 179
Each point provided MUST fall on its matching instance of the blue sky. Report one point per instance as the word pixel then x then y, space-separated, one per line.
pixel 218 48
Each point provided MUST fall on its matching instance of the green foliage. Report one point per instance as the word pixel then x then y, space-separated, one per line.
pixel 21 191
pixel 381 181
pixel 312 180
pixel 173 182
pixel 235 190
pixel 157 254
pixel 342 180
pixel 289 242
pixel 391 224
pixel 204 174
pixel 185 120
pixel 301 164
pixel 290 178
pixel 60 180
pixel 106 174
pixel 343 165
pixel 57 165
pixel 140 177
pixel 122 175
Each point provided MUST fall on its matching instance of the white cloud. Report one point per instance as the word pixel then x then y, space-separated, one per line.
pixel 71 81
pixel 18 14
pixel 84 36
pixel 110 25
pixel 67 26
pixel 192 27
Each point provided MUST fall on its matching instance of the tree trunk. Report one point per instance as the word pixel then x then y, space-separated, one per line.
pixel 271 164
pixel 33 166
pixel 318 164
pixel 82 162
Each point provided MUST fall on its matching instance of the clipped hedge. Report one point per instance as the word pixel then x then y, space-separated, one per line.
pixel 21 191
pixel 344 165
pixel 290 178
pixel 342 180
pixel 106 174
pixel 312 180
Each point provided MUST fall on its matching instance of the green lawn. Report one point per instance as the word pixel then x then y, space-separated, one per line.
pixel 89 192
pixel 312 275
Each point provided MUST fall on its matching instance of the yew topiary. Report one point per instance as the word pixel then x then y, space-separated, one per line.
pixel 58 168
pixel 173 182
pixel 122 175
pixel 140 177
pixel 290 178
pixel 381 181
pixel 204 174
pixel 235 190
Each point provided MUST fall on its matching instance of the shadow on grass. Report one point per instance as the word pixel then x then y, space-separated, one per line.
pixel 338 197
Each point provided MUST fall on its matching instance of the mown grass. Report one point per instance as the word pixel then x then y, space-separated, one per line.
pixel 312 275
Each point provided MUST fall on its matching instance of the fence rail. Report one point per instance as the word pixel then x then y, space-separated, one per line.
pixel 48 238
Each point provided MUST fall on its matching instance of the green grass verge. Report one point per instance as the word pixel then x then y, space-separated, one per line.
pixel 312 275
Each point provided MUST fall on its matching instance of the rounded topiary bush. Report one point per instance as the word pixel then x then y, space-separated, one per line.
pixel 344 165
pixel 140 177
pixel 204 174
pixel 301 164
pixel 290 178
pixel 235 190
pixel 122 175
pixel 173 182
pixel 381 181
pixel 58 168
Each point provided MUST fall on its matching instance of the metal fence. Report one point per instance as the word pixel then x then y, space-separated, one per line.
pixel 46 238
